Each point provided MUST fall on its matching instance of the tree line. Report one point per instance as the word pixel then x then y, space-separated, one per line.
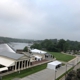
pixel 8 39
pixel 57 45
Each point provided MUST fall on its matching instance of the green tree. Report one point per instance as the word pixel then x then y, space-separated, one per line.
pixel 36 46
pixel 71 76
pixel 57 45
pixel 61 44
pixel 25 49
pixel 78 73
pixel 66 47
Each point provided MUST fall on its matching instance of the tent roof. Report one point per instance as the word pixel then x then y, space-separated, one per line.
pixel 6 48
pixel 3 69
pixel 9 48
pixel 38 51
pixel 55 63
pixel 6 51
pixel 6 62
pixel 38 57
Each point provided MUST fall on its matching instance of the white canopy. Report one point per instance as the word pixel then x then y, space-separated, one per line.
pixel 3 69
pixel 38 51
pixel 9 48
pixel 55 63
pixel 52 65
pixel 6 62
pixel 38 58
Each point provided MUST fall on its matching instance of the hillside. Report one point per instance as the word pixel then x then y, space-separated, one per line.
pixel 8 39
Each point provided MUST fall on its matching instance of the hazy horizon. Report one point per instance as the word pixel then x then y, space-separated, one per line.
pixel 38 39
pixel 40 19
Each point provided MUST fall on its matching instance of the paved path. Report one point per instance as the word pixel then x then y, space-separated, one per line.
pixel 46 74
pixel 49 74
pixel 40 75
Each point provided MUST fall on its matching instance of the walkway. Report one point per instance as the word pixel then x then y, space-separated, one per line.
pixel 49 74
pixel 46 74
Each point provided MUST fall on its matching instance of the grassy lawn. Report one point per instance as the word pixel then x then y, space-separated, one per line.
pixel 26 72
pixel 62 57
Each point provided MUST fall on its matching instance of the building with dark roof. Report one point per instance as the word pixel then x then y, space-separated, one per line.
pixel 10 60
pixel 18 47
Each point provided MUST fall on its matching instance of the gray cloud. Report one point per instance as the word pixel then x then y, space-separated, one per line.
pixel 40 19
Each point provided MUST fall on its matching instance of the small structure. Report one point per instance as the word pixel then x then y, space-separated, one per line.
pixel 3 69
pixel 44 54
pixel 34 57
pixel 54 65
pixel 38 51
pixel 12 61
pixel 37 57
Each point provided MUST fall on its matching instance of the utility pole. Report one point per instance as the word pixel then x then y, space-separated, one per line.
pixel 66 71
pixel 55 74
pixel 77 60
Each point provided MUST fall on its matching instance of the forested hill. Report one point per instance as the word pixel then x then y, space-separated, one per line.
pixel 47 44
pixel 8 39
pixel 57 45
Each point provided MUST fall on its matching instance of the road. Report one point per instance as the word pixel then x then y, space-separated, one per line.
pixel 49 74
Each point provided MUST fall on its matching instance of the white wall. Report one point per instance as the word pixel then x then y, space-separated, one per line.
pixel 50 66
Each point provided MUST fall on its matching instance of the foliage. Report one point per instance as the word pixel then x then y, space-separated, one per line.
pixel 7 39
pixel 78 73
pixel 25 49
pixel 55 45
pixel 36 45
pixel 73 75
pixel 47 44
pixel 61 44
pixel 64 73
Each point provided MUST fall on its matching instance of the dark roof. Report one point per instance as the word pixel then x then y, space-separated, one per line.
pixel 18 46
pixel 4 51
pixel 11 55
pixel 3 48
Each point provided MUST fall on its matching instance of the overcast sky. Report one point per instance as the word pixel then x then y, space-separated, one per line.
pixel 40 19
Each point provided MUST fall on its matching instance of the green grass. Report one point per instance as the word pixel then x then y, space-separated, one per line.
pixel 62 57
pixel 24 73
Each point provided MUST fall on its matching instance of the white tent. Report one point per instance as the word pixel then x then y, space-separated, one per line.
pixel 3 69
pixel 9 48
pixel 38 58
pixel 6 62
pixel 38 51
pixel 53 65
